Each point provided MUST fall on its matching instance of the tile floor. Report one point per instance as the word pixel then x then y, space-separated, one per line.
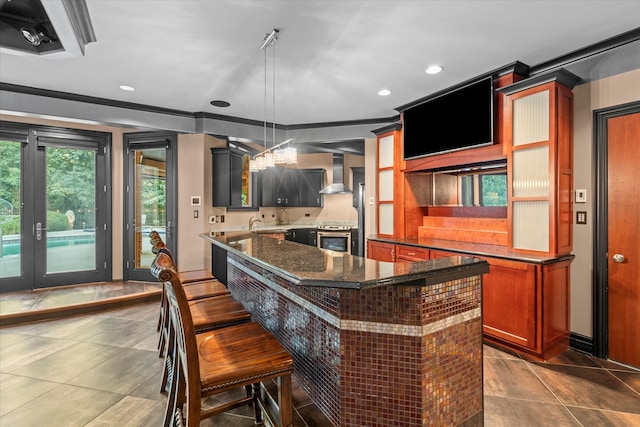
pixel 102 369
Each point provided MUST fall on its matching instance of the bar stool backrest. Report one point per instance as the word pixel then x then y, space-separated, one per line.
pixel 186 361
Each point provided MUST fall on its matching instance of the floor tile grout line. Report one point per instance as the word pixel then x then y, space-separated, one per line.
pixel 552 393
pixel 622 381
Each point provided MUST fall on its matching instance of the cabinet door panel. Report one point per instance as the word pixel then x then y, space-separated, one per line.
pixel 509 302
pixel 381 251
pixel 310 184
pixel 268 188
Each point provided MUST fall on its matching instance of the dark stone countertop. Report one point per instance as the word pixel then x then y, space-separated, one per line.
pixel 473 249
pixel 305 265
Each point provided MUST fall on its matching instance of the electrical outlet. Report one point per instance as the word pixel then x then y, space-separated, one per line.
pixel 581 196
pixel 212 219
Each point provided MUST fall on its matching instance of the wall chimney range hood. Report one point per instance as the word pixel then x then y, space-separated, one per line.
pixel 338 186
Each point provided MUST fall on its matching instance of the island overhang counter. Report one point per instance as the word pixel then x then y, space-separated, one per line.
pixel 374 343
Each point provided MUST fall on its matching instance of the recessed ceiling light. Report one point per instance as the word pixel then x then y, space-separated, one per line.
pixel 219 103
pixel 434 69
pixel 127 88
pixel 384 92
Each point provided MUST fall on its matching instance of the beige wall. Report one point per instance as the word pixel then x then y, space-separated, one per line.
pixel 616 90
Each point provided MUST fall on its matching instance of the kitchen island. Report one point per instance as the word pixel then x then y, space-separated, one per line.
pixel 374 343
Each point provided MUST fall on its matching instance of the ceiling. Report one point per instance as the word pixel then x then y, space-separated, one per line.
pixel 331 57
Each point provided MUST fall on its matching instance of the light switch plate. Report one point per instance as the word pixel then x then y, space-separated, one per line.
pixel 581 196
pixel 581 217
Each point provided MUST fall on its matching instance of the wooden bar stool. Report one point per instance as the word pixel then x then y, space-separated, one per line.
pixel 213 362
pixel 199 285
pixel 207 314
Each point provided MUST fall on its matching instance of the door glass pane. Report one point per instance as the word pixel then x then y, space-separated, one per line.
pixel 149 202
pixel 10 202
pixel 70 225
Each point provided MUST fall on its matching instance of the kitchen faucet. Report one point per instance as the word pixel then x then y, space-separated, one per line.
pixel 252 222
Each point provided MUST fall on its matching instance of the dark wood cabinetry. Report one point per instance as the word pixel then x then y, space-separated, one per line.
pixel 310 182
pixel 298 235
pixel 280 187
pixel 233 186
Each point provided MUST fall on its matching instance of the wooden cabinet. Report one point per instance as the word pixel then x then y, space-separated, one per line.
pixel 389 185
pixel 298 235
pixel 509 302
pixel 411 253
pixel 233 186
pixel 538 136
pixel 281 187
pixel 268 183
pixel 525 306
pixel 312 237
pixel 310 182
pixel 381 251
pixel 278 188
pixel 219 263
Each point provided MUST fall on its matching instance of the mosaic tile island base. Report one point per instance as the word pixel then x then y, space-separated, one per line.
pixel 374 343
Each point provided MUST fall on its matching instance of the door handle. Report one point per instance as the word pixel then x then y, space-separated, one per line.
pixel 618 258
pixel 39 230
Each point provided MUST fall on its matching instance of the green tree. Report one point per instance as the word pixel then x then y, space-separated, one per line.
pixel 71 183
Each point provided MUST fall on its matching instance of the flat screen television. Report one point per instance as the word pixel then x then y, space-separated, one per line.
pixel 456 120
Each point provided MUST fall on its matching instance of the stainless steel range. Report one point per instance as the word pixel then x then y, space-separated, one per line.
pixel 335 237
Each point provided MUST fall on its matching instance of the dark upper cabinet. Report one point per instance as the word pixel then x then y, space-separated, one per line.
pixel 280 187
pixel 310 183
pixel 288 188
pixel 268 184
pixel 233 186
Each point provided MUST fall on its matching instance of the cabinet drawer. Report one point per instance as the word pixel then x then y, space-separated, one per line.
pixel 411 253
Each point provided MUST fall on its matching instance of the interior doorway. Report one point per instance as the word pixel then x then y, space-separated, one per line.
pixel 150 194
pixel 617 254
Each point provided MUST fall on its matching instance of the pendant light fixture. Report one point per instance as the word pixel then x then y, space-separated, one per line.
pixel 281 153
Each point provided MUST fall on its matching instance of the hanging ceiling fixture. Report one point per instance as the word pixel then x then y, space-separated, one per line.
pixel 281 153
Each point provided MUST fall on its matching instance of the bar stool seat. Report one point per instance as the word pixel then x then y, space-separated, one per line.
pixel 217 312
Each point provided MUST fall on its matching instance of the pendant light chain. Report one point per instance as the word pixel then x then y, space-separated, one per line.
pixel 275 154
pixel 274 93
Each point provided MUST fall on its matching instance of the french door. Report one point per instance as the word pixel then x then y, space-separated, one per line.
pixel 150 182
pixel 54 200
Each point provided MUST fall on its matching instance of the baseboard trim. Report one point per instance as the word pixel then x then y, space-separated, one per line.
pixel 581 343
